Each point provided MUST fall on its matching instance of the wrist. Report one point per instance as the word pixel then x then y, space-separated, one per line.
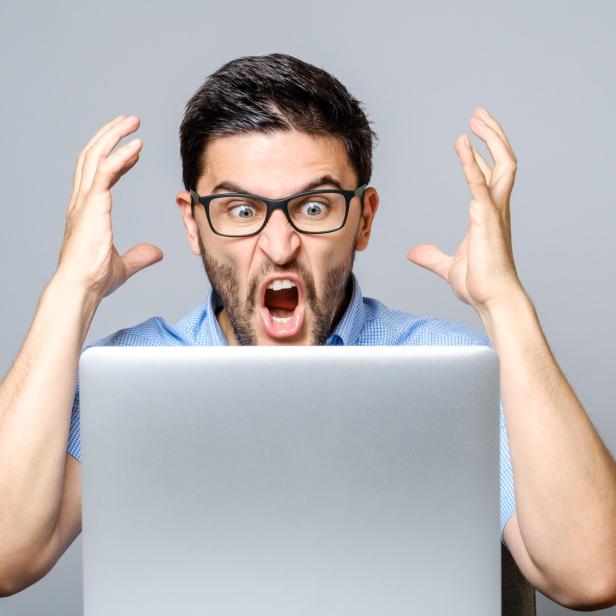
pixel 75 297
pixel 513 310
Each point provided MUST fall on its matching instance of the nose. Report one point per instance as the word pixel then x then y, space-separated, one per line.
pixel 279 240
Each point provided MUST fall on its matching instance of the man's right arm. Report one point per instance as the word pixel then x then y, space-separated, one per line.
pixel 40 503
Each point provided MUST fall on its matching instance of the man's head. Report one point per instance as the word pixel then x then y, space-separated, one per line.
pixel 271 126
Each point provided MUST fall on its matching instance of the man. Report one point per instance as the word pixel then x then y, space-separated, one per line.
pixel 259 133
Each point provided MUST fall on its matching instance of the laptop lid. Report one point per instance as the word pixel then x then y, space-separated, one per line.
pixel 290 480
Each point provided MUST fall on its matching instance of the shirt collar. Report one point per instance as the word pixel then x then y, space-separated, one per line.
pixel 352 321
pixel 346 331
pixel 214 302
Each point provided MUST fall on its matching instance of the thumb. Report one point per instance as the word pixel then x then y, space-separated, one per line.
pixel 431 257
pixel 140 256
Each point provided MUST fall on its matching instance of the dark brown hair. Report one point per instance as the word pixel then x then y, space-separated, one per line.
pixel 271 93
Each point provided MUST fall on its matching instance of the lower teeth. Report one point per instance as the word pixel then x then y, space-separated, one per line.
pixel 281 319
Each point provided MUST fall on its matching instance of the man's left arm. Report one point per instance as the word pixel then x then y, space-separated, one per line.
pixel 563 534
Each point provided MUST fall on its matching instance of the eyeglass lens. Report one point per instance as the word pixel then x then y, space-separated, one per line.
pixel 244 215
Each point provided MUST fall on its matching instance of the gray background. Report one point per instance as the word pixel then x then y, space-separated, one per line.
pixel 544 70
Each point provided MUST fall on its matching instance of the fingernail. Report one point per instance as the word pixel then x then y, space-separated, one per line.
pixel 465 140
pixel 480 121
pixel 483 113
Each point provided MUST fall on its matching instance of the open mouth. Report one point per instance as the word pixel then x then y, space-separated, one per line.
pixel 281 300
pixel 282 305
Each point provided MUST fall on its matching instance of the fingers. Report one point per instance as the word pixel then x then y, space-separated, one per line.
pixel 498 148
pixel 102 147
pixel 432 258
pixel 140 256
pixel 505 163
pixel 493 124
pixel 80 158
pixel 114 166
pixel 475 177
pixel 483 165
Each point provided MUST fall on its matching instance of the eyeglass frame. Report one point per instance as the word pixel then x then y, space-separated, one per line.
pixel 279 204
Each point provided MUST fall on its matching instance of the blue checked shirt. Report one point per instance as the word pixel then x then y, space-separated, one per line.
pixel 366 321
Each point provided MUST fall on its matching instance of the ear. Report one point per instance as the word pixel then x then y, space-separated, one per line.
pixel 371 205
pixel 190 224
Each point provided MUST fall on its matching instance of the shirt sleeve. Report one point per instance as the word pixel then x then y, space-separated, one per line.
pixel 74 441
pixel 151 332
pixel 507 492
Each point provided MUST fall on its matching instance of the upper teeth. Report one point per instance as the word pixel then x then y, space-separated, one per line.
pixel 284 283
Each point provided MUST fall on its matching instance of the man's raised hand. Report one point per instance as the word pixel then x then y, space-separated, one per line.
pixel 88 256
pixel 482 272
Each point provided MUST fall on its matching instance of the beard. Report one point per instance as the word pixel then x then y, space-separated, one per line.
pixel 241 312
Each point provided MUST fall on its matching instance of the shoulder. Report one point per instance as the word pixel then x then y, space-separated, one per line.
pixel 156 331
pixel 397 327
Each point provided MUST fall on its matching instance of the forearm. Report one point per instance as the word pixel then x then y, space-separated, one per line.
pixel 36 398
pixel 565 479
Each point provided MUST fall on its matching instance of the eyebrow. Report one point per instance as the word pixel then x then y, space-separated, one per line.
pixel 324 180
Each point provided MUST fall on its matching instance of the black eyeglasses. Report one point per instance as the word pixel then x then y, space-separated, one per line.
pixel 316 211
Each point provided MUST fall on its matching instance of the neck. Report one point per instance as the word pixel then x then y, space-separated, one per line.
pixel 225 326
pixel 343 305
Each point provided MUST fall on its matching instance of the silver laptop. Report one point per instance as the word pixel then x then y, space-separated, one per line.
pixel 290 481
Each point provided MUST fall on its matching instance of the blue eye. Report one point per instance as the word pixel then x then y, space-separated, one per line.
pixel 244 211
pixel 315 208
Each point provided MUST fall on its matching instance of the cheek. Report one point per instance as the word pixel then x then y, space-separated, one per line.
pixel 233 253
pixel 241 256
pixel 327 256
pixel 340 249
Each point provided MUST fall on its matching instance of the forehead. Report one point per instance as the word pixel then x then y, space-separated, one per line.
pixel 274 164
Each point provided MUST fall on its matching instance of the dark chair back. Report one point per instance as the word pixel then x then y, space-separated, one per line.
pixel 518 596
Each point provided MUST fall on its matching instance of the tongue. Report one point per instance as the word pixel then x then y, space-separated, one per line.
pixel 280 312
